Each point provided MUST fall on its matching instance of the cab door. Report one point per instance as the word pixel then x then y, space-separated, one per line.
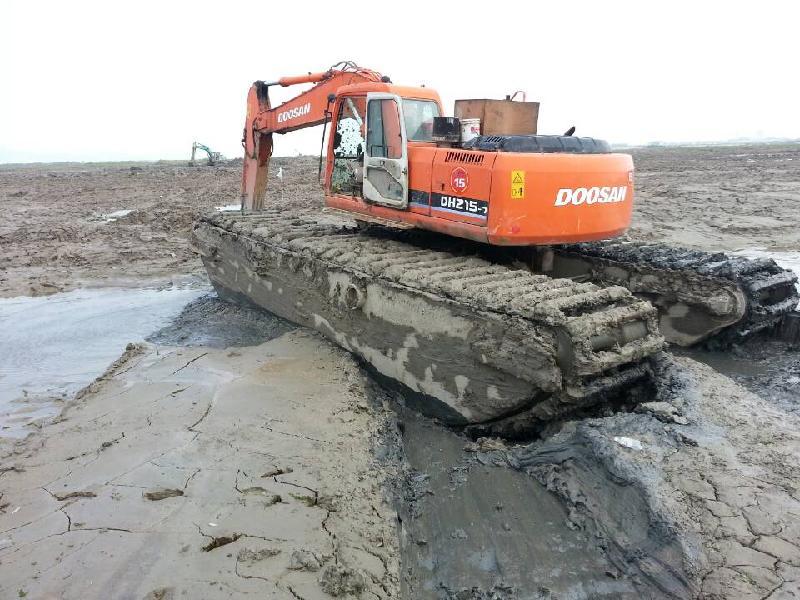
pixel 386 154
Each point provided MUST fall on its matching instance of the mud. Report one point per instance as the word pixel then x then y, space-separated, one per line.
pixel 472 528
pixel 692 496
pixel 51 347
pixel 706 509
pixel 205 473
pixel 718 197
pixel 210 321
pixel 770 368
pixel 78 225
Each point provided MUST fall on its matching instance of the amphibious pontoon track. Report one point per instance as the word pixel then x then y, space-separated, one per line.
pixel 488 341
pixel 700 295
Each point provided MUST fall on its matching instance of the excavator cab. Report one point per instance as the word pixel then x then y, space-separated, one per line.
pixel 369 153
pixel 386 156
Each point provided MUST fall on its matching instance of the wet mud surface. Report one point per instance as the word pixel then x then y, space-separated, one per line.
pixel 210 321
pixel 205 473
pixel 475 528
pixel 73 225
pixel 53 346
pixel 767 367
pixel 718 197
pixel 691 495
pixel 681 499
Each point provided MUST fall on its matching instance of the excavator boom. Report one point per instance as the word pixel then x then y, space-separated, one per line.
pixel 307 109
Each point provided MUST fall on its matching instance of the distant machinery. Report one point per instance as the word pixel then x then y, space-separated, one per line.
pixel 213 157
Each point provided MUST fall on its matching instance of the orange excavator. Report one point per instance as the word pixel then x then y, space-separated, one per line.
pixel 469 258
pixel 512 190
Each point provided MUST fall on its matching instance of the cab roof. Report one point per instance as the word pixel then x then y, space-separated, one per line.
pixel 420 93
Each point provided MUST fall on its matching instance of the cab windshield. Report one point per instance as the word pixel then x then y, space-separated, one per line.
pixel 418 115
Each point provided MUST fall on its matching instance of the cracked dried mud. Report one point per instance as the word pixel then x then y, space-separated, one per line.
pixel 257 476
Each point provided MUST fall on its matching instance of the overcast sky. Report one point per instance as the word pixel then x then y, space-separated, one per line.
pixel 108 80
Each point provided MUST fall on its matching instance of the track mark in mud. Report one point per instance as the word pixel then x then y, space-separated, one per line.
pixel 70 495
pixel 218 542
pixel 196 358
pixel 162 494
pixel 278 471
pixel 5 470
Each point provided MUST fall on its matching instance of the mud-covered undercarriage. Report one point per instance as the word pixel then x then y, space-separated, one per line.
pixel 699 295
pixel 493 344
pixel 489 342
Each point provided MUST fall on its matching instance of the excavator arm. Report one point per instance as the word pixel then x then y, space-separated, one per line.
pixel 304 110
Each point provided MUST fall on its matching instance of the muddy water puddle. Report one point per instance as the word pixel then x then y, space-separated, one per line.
pixel 474 529
pixel 767 367
pixel 54 345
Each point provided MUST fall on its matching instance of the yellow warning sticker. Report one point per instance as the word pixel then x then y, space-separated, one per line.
pixel 517 184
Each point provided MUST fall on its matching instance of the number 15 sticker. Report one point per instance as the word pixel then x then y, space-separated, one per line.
pixel 459 180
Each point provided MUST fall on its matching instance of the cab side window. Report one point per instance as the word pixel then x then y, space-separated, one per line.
pixel 348 139
pixel 384 138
